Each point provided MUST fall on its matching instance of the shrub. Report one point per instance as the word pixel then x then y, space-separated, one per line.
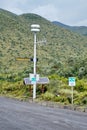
pixel 84 101
pixel 47 96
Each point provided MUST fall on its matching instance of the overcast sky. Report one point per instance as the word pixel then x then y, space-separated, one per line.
pixel 70 12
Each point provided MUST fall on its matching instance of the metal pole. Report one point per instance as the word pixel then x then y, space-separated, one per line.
pixel 34 85
pixel 72 95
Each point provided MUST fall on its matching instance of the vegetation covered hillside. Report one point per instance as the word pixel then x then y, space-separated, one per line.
pixel 64 54
pixel 82 30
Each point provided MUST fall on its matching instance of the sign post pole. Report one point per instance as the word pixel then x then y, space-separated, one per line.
pixel 72 84
pixel 72 95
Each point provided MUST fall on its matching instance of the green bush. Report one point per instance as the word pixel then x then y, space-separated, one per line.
pixel 47 96
pixel 84 100
pixel 57 99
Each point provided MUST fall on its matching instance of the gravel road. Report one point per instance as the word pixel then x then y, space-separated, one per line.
pixel 19 115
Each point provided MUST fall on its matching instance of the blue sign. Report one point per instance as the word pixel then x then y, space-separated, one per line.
pixel 72 81
pixel 33 80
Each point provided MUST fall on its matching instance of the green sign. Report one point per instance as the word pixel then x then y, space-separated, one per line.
pixel 33 80
pixel 72 81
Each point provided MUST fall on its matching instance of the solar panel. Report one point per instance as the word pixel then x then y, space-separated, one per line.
pixel 42 80
pixel 27 81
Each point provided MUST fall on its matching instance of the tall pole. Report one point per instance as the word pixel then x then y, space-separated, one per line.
pixel 35 28
pixel 34 85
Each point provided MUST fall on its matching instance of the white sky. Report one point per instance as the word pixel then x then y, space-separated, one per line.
pixel 70 12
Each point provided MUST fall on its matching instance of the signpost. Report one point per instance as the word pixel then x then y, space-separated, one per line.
pixel 72 83
pixel 42 80
pixel 34 78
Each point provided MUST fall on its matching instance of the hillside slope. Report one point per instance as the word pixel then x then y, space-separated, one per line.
pixel 16 40
pixel 78 29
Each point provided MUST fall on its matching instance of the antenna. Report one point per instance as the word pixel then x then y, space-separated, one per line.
pixel 43 41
